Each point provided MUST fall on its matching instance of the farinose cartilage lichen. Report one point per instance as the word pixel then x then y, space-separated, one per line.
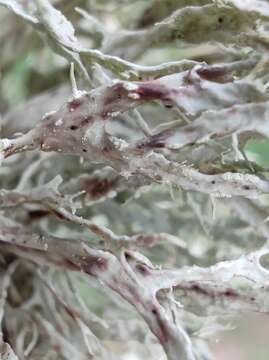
pixel 132 220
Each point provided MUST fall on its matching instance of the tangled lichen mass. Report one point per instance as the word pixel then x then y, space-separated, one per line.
pixel 132 216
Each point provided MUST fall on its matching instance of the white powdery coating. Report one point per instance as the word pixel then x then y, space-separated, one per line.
pixel 130 86
pixel 119 143
pixel 134 96
pixel 84 131
pixel 251 180
pixel 4 144
pixel 59 122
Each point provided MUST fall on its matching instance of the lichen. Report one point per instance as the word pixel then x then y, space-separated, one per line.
pixel 126 194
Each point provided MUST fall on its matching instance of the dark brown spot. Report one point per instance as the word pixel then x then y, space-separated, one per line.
pixel 37 214
pixel 212 73
pixel 73 127
pixel 95 228
pixel 155 141
pixel 168 106
pixel 189 129
pixel 85 120
pixel 98 187
pixel 92 265
pixel 198 289
pixel 101 264
pixel 59 215
pixel 74 104
pixel 146 239
pixel 151 91
pixel 230 293
pixel 113 96
pixel 151 144
pixel 161 333
pixel 142 269
pixel 127 256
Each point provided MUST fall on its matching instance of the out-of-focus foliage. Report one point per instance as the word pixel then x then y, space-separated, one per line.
pixel 133 179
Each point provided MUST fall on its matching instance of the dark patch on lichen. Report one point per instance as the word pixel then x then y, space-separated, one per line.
pixel 211 73
pixel 115 94
pixel 230 293
pixel 80 122
pixel 199 289
pixel 73 127
pixel 93 264
pixel 142 269
pixel 85 120
pixel 74 104
pixel 97 187
pixel 151 91
pixel 59 215
pixel 155 141
pixel 162 332
pixel 37 214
